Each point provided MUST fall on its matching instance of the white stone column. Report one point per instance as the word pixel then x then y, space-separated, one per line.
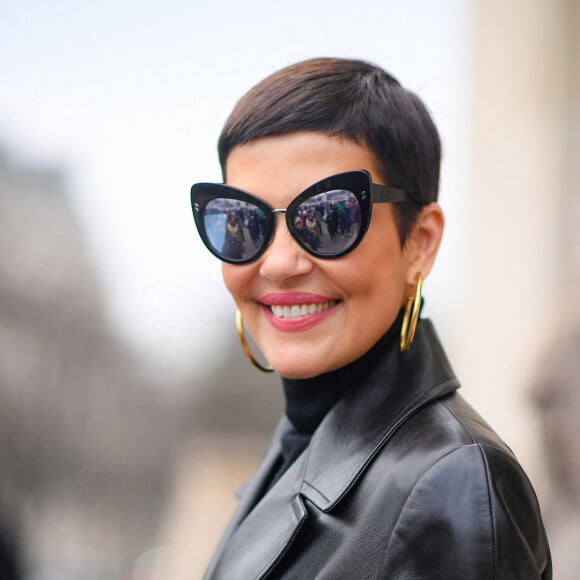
pixel 516 265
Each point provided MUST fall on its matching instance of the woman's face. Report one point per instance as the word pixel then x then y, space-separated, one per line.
pixel 310 315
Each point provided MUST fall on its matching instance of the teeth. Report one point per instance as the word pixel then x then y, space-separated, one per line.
pixel 298 310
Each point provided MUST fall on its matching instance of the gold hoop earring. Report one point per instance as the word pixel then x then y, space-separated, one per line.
pixel 247 351
pixel 411 316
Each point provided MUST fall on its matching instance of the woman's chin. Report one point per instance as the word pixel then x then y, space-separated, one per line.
pixel 296 374
pixel 300 366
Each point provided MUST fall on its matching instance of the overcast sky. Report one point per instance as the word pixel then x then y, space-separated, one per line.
pixel 129 98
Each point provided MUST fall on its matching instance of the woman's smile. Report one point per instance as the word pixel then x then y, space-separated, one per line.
pixel 296 311
pixel 300 310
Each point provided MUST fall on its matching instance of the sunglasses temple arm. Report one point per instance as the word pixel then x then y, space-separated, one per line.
pixel 386 194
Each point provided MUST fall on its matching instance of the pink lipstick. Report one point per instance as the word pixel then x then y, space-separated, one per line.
pixel 296 311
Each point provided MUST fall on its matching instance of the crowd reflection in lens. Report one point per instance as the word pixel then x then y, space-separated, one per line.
pixel 327 223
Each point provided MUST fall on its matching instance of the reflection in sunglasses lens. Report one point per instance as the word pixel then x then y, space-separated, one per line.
pixel 328 223
pixel 235 229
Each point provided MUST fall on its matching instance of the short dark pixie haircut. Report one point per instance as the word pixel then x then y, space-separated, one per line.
pixel 352 99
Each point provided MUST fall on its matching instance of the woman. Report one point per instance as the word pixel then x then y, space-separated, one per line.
pixel 378 469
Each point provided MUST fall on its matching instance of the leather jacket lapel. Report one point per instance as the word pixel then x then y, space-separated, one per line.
pixel 365 418
pixel 255 546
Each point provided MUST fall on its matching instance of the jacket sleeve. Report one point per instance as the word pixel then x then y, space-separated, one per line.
pixel 472 516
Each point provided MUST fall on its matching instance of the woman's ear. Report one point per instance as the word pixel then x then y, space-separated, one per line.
pixel 423 241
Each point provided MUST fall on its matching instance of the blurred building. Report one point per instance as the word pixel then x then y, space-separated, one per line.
pixel 85 439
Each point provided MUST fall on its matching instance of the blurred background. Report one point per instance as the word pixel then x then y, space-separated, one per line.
pixel 128 415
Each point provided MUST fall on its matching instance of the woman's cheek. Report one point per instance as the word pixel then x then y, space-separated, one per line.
pixel 230 279
pixel 238 280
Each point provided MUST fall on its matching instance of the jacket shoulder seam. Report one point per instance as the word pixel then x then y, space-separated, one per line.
pixel 492 515
pixel 505 451
pixel 459 420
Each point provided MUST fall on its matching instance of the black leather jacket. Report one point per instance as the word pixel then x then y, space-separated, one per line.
pixel 402 480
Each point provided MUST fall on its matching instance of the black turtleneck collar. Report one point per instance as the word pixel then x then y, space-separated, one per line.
pixel 309 400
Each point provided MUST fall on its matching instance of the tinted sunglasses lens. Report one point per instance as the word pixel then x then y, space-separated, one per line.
pixel 236 230
pixel 328 223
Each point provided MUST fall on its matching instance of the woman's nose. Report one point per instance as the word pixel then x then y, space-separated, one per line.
pixel 284 259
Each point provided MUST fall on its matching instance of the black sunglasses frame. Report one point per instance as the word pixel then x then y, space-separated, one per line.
pixel 358 182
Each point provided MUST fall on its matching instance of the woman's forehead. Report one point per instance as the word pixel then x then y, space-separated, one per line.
pixel 278 168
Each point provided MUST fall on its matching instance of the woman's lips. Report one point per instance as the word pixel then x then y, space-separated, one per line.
pixel 296 311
